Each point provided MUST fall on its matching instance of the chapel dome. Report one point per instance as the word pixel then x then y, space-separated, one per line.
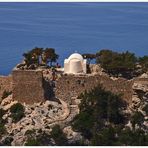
pixel 76 56
pixel 75 64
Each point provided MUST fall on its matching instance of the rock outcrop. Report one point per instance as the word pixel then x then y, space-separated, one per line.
pixel 38 116
pixel 140 94
pixel 72 136
pixel 140 99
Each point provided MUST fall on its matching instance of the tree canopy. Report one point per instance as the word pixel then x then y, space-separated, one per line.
pixel 50 55
pixel 143 61
pixel 89 57
pixel 117 63
pixel 97 106
pixel 101 120
pixel 39 56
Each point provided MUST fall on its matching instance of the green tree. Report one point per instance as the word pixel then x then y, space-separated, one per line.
pixel 17 112
pixel 32 142
pixel 34 139
pixel 7 141
pixel 137 118
pixel 146 109
pixel 39 56
pixel 126 137
pixel 6 94
pixel 89 57
pixel 58 136
pixel 83 123
pixel 143 61
pixel 2 112
pixel 36 53
pixel 28 58
pixel 2 130
pixel 49 55
pixel 105 137
pixel 97 108
pixel 113 110
pixel 2 123
pixel 117 63
pixel 138 137
pixel 104 57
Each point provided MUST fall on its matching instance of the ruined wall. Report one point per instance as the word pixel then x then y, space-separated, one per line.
pixel 5 84
pixel 72 85
pixel 28 86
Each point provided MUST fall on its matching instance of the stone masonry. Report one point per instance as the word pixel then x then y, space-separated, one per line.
pixel 69 86
pixel 28 86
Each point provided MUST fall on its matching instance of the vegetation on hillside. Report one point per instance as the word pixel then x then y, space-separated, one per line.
pixel 143 61
pixel 137 118
pixel 124 64
pixel 146 109
pixel 56 137
pixel 41 139
pixel 115 63
pixel 6 94
pixel 102 122
pixel 7 141
pixel 17 112
pixel 2 123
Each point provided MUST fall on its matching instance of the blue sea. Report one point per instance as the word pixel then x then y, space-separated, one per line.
pixel 70 27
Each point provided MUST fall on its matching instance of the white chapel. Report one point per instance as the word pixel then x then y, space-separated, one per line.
pixel 75 64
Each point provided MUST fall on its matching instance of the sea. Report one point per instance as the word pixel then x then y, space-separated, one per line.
pixel 71 27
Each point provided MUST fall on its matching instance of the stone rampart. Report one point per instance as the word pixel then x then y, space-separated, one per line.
pixel 69 86
pixel 28 86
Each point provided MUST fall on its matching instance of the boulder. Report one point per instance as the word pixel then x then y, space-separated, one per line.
pixel 71 135
pixel 144 75
pixel 8 106
pixel 95 68
pixel 138 86
pixel 18 140
pixel 6 100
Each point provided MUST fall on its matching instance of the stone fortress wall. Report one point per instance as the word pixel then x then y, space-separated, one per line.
pixel 69 86
pixel 28 86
